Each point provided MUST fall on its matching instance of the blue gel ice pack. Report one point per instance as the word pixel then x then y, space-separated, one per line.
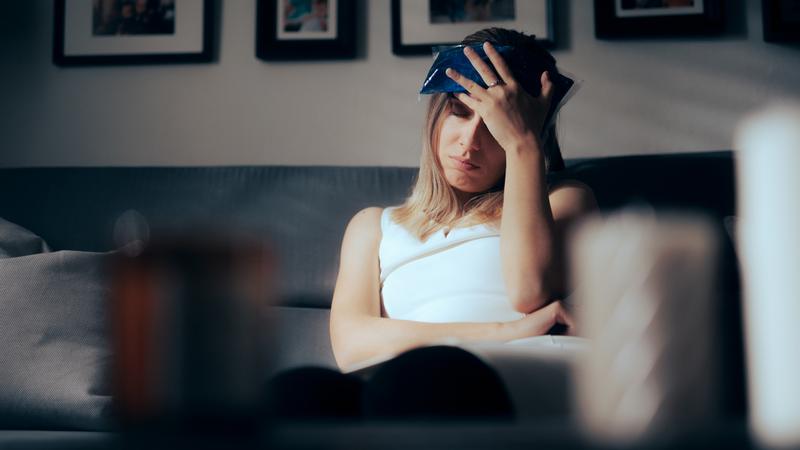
pixel 454 58
pixel 527 72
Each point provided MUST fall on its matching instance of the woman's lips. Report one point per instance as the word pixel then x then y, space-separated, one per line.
pixel 463 164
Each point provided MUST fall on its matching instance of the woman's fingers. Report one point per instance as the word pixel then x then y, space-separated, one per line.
pixel 499 63
pixel 564 317
pixel 472 87
pixel 486 72
pixel 543 319
pixel 537 323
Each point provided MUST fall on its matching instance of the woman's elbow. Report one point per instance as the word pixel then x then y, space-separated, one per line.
pixel 528 300
pixel 346 346
pixel 343 353
pixel 344 359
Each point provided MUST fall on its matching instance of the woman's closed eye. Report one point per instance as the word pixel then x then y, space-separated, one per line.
pixel 459 109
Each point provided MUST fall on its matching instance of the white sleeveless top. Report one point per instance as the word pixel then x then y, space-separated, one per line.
pixel 452 278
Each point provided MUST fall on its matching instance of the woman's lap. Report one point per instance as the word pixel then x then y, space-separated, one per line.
pixel 314 393
pixel 436 382
pixel 477 381
pixel 429 382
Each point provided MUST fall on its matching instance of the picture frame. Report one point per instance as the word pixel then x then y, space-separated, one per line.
pixel 307 30
pixel 419 25
pixel 665 18
pixel 781 20
pixel 114 32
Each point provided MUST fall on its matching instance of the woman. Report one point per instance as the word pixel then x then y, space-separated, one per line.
pixel 483 167
pixel 474 255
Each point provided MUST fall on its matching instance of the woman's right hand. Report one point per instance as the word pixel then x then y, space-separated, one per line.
pixel 542 320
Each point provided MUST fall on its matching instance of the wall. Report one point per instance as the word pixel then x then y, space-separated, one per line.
pixel 638 96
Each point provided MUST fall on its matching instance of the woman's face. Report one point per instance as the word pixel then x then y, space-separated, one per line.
pixel 471 158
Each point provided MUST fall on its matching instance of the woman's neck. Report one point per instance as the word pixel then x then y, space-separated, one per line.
pixel 463 198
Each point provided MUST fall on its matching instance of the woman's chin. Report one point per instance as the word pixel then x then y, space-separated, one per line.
pixel 465 183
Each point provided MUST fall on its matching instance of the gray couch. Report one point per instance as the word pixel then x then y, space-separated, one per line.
pixel 53 382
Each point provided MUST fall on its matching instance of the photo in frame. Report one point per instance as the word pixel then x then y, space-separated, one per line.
pixel 109 32
pixel 781 19
pixel 641 18
pixel 305 29
pixel 419 25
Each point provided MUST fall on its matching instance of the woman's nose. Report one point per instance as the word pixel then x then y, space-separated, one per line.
pixel 472 134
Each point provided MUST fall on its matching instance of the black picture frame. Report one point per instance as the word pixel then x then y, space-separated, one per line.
pixel 64 29
pixel 403 47
pixel 274 44
pixel 612 23
pixel 781 19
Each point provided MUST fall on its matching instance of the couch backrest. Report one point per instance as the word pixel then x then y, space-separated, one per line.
pixel 304 210
pixel 301 211
pixel 702 182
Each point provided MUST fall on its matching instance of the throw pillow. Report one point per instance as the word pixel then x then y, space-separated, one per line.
pixel 55 359
pixel 17 241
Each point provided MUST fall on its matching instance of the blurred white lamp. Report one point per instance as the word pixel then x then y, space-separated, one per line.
pixel 768 237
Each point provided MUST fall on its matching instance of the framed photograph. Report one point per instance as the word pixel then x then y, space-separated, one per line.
pixel 305 29
pixel 781 20
pixel 639 18
pixel 90 32
pixel 418 25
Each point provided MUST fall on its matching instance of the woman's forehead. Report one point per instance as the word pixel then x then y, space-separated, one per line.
pixel 452 100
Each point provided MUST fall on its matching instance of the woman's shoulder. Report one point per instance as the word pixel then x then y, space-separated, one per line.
pixel 367 216
pixel 366 222
pixel 571 197
pixel 569 185
pixel 363 232
pixel 574 190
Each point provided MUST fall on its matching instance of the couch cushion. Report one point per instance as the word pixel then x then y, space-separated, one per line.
pixel 17 241
pixel 55 351
pixel 302 337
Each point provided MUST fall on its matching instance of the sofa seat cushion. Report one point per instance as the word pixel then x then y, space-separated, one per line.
pixel 301 336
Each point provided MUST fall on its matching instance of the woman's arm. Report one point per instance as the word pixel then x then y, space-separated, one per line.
pixel 531 259
pixel 527 229
pixel 359 333
pixel 535 227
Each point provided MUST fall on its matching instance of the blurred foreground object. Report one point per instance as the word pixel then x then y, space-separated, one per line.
pixel 645 286
pixel 188 323
pixel 767 166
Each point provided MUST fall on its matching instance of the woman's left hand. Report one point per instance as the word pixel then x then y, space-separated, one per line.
pixel 511 115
